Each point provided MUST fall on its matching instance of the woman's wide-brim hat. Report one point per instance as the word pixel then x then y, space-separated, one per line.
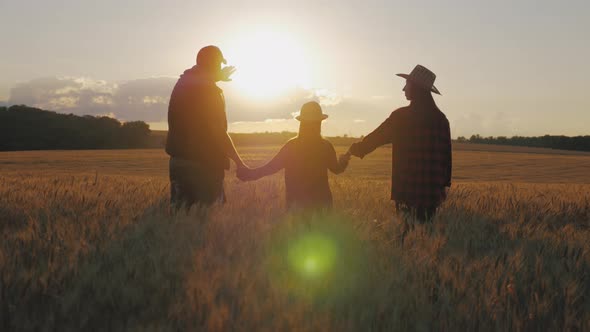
pixel 311 111
pixel 422 77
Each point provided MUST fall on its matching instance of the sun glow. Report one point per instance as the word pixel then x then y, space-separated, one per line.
pixel 268 63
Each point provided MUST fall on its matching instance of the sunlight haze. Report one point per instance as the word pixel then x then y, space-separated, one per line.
pixel 270 62
pixel 503 67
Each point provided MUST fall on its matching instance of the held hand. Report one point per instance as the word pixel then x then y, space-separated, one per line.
pixel 347 154
pixel 243 173
pixel 240 173
pixel 239 162
pixel 226 72
pixel 353 150
pixel 344 158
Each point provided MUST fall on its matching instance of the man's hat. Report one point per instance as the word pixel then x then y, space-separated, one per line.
pixel 210 55
pixel 311 111
pixel 422 77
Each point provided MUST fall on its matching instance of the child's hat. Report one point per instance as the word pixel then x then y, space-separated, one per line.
pixel 311 111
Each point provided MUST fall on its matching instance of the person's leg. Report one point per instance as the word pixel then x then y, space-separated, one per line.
pixel 180 189
pixel 431 212
pixel 405 212
pixel 207 186
pixel 421 214
pixel 425 214
pixel 402 208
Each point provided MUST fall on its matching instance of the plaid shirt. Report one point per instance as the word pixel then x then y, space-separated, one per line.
pixel 421 158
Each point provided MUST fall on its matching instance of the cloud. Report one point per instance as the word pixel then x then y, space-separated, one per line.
pixel 108 115
pixel 243 108
pixel 343 118
pixel 494 123
pixel 42 91
pixel 327 98
pixel 143 99
pixel 381 97
pixel 147 100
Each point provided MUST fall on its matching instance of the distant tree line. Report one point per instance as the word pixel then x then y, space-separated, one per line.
pixel 28 128
pixel 576 143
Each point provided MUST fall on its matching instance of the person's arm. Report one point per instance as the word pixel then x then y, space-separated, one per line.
pixel 448 154
pixel 232 153
pixel 380 136
pixel 335 165
pixel 274 165
pixel 218 124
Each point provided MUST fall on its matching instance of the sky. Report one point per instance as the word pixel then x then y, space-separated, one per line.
pixel 503 67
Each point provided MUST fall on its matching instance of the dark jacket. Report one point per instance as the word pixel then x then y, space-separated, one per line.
pixel 197 124
pixel 306 162
pixel 421 154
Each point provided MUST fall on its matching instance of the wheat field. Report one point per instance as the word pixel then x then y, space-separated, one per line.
pixel 89 243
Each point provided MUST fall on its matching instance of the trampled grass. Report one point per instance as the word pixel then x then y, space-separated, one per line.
pixel 84 250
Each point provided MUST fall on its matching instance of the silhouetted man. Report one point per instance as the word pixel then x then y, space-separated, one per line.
pixel 306 160
pixel 421 144
pixel 198 143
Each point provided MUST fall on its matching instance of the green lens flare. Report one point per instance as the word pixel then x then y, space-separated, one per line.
pixel 318 259
pixel 312 255
pixel 311 264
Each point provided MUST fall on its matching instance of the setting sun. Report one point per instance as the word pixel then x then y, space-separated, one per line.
pixel 268 63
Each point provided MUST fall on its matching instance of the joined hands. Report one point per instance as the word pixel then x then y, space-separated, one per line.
pixel 344 158
pixel 243 172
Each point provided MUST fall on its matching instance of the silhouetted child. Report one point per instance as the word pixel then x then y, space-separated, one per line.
pixel 306 159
